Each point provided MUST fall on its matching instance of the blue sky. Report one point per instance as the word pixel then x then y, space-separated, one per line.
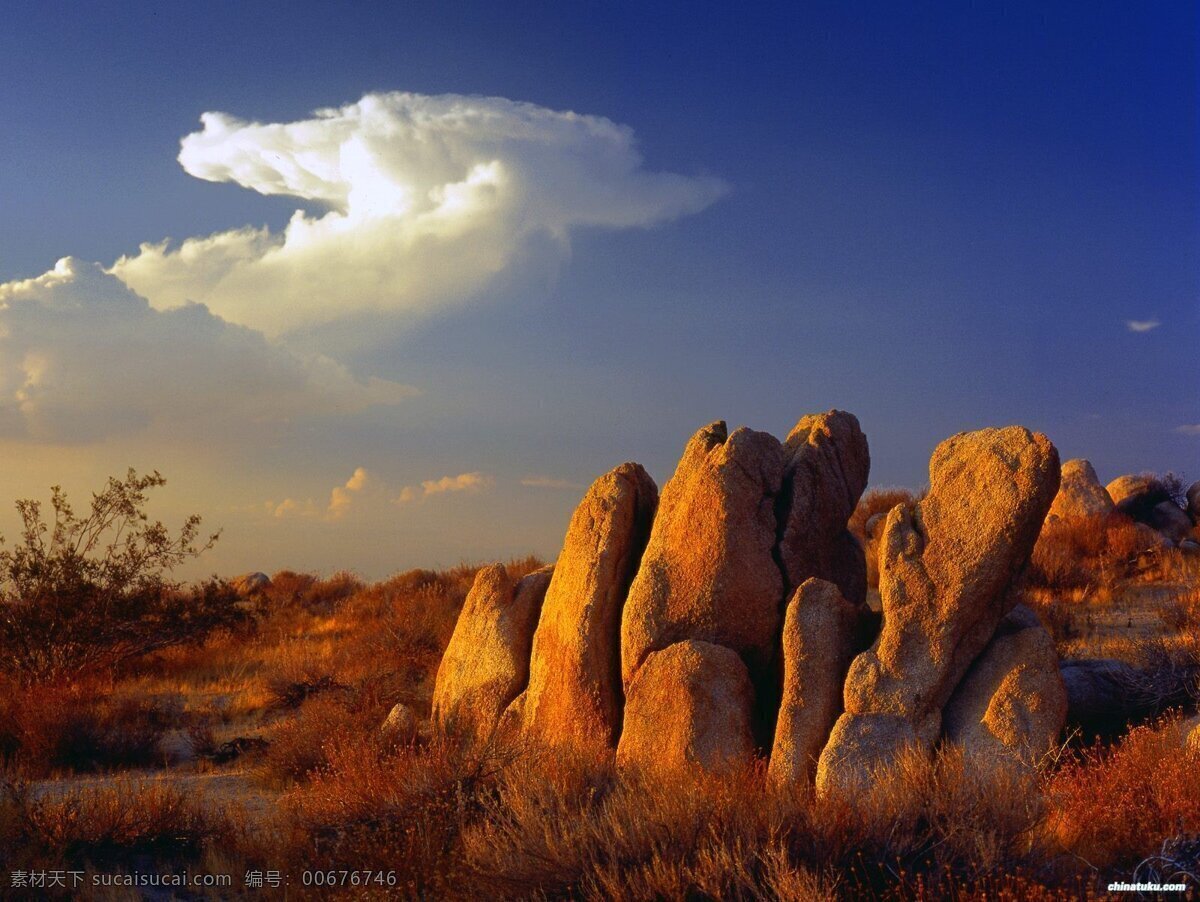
pixel 937 217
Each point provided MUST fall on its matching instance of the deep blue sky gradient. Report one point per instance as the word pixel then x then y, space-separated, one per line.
pixel 941 214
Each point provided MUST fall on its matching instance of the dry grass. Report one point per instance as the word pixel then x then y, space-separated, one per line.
pixel 325 663
pixel 106 827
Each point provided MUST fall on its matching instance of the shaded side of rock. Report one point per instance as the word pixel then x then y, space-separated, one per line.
pixel 1193 502
pixel 575 694
pixel 1170 520
pixel 827 464
pixel 709 571
pixel 688 708
pixel 1012 703
pixel 1105 695
pixel 947 565
pixel 1080 494
pixel 486 664
pixel 819 640
pixel 1137 494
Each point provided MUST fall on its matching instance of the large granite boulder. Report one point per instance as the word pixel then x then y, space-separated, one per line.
pixel 827 463
pixel 1080 494
pixel 1012 704
pixel 574 696
pixel 1137 494
pixel 947 565
pixel 819 641
pixel 709 571
pixel 486 664
pixel 688 709
pixel 1193 502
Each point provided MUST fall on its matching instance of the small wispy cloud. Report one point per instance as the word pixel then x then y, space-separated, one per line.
pixel 463 482
pixel 341 499
pixel 1141 325
pixel 342 496
pixel 550 482
pixel 1188 429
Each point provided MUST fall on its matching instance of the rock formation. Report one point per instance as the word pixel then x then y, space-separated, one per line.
pixel 1080 493
pixel 574 695
pixel 688 708
pixel 947 564
pixel 1170 520
pixel 1193 501
pixel 819 633
pixel 708 572
pixel 1104 695
pixel 1012 702
pixel 827 463
pixel 400 726
pixel 1191 735
pixel 1135 495
pixel 251 583
pixel 486 664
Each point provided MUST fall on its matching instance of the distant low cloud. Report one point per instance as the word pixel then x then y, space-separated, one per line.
pixel 82 357
pixel 1141 325
pixel 424 198
pixel 1188 429
pixel 550 482
pixel 463 482
pixel 342 496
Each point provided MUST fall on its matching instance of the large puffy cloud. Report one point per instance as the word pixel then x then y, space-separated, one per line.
pixel 83 357
pixel 421 201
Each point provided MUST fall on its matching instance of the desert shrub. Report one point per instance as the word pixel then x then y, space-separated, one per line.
pixel 1090 552
pixel 301 744
pixel 83 592
pixel 110 827
pixel 1114 806
pixel 309 591
pixel 371 806
pixel 80 728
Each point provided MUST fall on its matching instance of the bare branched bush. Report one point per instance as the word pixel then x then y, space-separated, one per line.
pixel 81 592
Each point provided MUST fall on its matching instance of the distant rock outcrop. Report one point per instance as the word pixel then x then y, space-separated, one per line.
pixel 1012 702
pixel 946 567
pixel 1170 520
pixel 251 583
pixel 574 696
pixel 688 708
pixel 819 633
pixel 486 664
pixel 827 463
pixel 709 571
pixel 1080 494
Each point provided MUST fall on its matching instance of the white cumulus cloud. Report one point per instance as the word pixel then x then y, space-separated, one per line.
pixel 420 201
pixel 83 357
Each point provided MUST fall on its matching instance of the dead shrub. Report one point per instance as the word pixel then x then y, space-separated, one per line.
pixel 300 745
pixel 1090 553
pixel 1114 806
pixel 111 827
pixel 78 728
